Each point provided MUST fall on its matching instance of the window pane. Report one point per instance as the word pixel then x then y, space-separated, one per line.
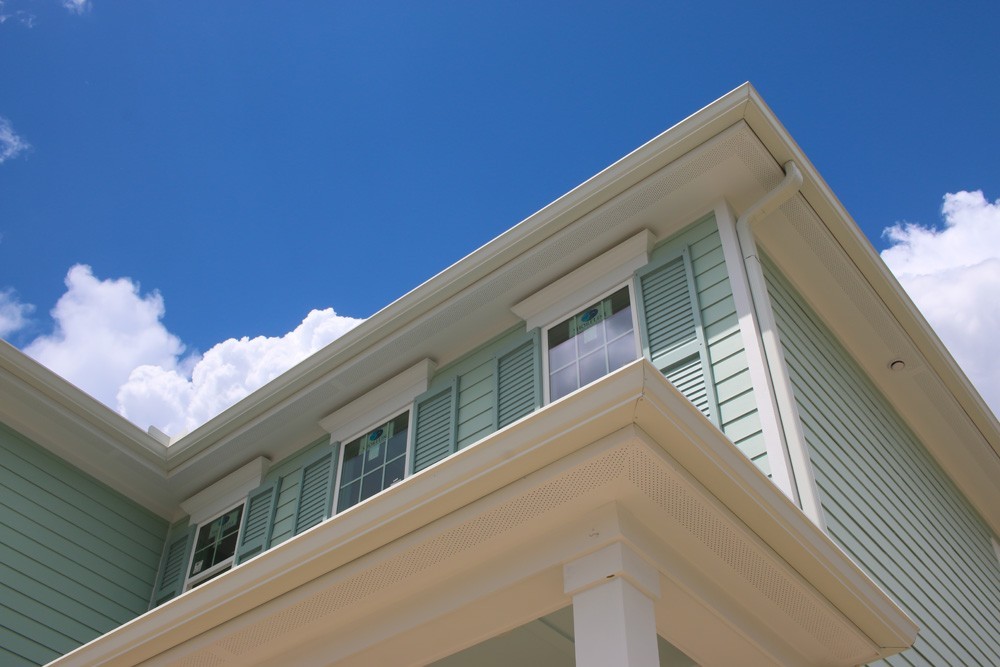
pixel 621 351
pixel 599 339
pixel 394 471
pixel 371 484
pixel 380 460
pixel 348 495
pixel 216 541
pixel 593 367
pixel 562 382
pixel 352 461
pixel 562 354
pixel 620 323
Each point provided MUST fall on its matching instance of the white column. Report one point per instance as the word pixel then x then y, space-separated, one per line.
pixel 614 621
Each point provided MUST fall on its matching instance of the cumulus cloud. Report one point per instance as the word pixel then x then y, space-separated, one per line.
pixel 103 330
pixel 13 313
pixel 177 400
pixel 11 145
pixel 110 341
pixel 953 275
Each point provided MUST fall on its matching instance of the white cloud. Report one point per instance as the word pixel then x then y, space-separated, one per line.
pixel 953 275
pixel 76 6
pixel 13 313
pixel 11 145
pixel 177 401
pixel 109 340
pixel 103 330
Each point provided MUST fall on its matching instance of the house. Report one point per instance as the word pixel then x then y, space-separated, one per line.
pixel 682 415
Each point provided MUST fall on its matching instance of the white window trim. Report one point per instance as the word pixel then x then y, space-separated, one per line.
pixel 406 463
pixel 192 580
pixel 630 284
pixel 382 404
pixel 226 492
pixel 390 397
pixel 601 275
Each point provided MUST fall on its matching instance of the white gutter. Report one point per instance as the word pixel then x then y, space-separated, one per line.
pixel 787 452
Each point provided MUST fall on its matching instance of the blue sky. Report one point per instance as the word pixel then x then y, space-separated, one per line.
pixel 243 164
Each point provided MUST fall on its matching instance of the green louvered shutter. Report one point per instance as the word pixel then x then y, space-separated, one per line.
pixel 316 491
pixel 517 383
pixel 175 560
pixel 434 435
pixel 258 520
pixel 674 339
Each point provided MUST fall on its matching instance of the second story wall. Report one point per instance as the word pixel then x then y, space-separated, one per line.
pixel 886 501
pixel 77 559
pixel 685 322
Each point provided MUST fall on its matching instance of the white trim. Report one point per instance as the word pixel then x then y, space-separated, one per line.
pixel 192 580
pixel 343 446
pixel 390 397
pixel 630 284
pixel 760 379
pixel 633 405
pixel 579 287
pixel 227 492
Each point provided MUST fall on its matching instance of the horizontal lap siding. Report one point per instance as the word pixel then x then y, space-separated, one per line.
pixel 738 417
pixel 446 423
pixel 887 502
pixel 76 558
pixel 288 476
pixel 476 404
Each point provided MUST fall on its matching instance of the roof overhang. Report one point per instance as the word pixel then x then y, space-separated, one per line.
pixel 732 150
pixel 474 545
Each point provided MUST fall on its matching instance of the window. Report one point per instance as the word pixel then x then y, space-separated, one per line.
pixel 373 461
pixel 596 341
pixel 215 546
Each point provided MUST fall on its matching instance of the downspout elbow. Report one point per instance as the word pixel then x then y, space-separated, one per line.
pixel 788 186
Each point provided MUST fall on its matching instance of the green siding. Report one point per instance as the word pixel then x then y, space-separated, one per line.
pixel 486 389
pixel 287 475
pixel 77 559
pixel 886 501
pixel 705 280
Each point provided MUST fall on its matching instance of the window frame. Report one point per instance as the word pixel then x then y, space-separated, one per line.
pixel 582 304
pixel 407 457
pixel 194 580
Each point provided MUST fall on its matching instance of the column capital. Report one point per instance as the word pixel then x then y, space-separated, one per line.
pixel 617 559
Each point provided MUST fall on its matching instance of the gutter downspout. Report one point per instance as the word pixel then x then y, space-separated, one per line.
pixel 779 385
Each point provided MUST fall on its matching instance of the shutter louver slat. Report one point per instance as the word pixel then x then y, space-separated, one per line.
pixel 315 502
pixel 258 519
pixel 516 379
pixel 434 429
pixel 172 573
pixel 673 331
pixel 670 318
pixel 689 379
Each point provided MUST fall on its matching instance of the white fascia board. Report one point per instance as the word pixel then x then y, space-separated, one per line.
pixel 581 286
pixel 636 396
pixel 380 403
